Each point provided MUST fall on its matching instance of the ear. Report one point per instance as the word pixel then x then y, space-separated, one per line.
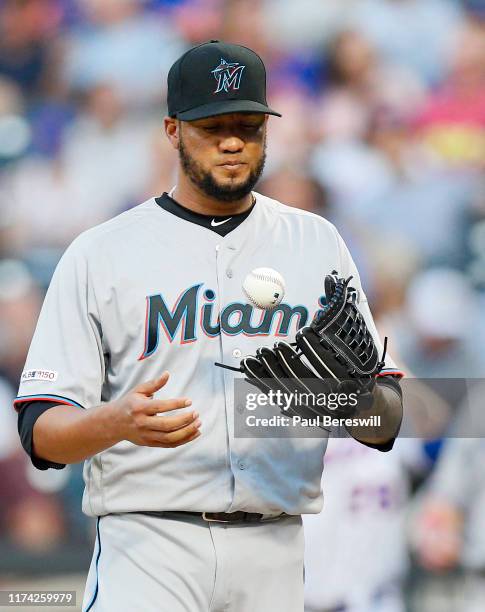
pixel 172 131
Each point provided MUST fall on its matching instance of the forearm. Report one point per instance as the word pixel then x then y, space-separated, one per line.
pixel 387 404
pixel 65 434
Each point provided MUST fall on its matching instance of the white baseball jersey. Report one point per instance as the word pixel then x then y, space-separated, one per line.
pixel 147 292
pixel 356 549
pixel 459 480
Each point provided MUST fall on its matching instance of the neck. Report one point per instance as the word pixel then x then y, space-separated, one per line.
pixel 190 196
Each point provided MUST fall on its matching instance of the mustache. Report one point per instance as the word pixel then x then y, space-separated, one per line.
pixel 204 180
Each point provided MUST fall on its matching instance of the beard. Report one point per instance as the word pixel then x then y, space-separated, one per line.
pixel 204 180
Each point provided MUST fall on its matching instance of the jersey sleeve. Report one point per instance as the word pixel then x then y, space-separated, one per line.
pixel 65 362
pixel 458 471
pixel 348 268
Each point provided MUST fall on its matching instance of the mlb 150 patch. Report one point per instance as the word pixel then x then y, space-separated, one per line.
pixel 48 375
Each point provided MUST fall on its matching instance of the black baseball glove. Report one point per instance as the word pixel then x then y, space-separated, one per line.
pixel 335 354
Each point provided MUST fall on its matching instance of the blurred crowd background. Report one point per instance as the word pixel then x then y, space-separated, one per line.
pixel 383 133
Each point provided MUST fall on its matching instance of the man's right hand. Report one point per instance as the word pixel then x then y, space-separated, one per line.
pixel 141 419
pixel 68 434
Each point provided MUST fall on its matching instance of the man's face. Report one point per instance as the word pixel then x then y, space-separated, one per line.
pixel 224 156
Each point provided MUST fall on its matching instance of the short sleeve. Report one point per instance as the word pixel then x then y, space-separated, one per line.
pixel 65 362
pixel 348 268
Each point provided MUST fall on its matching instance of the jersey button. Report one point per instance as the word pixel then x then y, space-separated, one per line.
pixel 236 353
pixel 229 273
pixel 241 465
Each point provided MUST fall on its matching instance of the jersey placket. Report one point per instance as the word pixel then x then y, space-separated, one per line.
pixel 231 352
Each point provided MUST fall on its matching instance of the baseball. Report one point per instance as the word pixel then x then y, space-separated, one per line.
pixel 264 288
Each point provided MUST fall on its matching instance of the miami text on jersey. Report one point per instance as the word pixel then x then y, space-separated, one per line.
pixel 196 310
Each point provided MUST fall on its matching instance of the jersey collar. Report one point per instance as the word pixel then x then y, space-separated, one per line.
pixel 220 224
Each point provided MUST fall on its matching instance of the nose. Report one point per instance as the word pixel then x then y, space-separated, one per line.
pixel 231 144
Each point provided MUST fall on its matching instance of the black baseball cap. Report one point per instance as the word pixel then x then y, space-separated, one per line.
pixel 216 78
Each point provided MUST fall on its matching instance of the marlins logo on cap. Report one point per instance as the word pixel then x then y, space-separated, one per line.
pixel 228 76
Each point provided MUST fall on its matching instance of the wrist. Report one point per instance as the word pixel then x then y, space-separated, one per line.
pixel 110 420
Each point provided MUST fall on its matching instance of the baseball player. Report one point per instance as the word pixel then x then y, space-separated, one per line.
pixel 366 495
pixel 448 528
pixel 120 372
